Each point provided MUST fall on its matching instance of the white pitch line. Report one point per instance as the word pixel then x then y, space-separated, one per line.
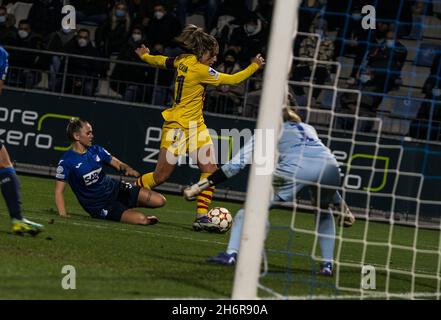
pixel 143 232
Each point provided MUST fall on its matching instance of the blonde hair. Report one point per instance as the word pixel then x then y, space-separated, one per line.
pixel 196 41
pixel 290 115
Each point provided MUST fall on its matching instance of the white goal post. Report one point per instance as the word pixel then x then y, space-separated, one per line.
pixel 283 32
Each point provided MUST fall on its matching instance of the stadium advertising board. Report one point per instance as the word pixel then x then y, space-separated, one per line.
pixel 33 127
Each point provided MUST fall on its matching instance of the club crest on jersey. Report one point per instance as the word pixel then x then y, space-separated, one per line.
pixel 213 73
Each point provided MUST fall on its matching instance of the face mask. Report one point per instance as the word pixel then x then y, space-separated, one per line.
pixel 159 15
pixel 120 13
pixel 390 43
pixel 365 78
pixel 436 92
pixel 136 37
pixel 250 28
pixel 23 34
pixel 82 42
pixel 2 19
pixel 65 31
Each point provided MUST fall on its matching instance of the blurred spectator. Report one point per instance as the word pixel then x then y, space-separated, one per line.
pixel 433 82
pixel 57 42
pixel 398 12
pixel 228 98
pixel 128 79
pixel 428 122
pixel 83 73
pixel 27 62
pixel 308 11
pixel 427 125
pixel 186 8
pixel 162 29
pixel 7 22
pixel 139 11
pixel 250 38
pixel 308 49
pixel 113 34
pixel 45 17
pixel 386 63
pixel 92 12
pixel 160 82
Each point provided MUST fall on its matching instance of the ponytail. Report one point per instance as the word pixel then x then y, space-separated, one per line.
pixel 196 41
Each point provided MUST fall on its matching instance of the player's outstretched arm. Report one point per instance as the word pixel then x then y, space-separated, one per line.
pixel 155 60
pixel 59 198
pixel 124 168
pixel 217 78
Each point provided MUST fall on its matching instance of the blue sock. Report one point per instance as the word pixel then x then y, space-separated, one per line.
pixel 236 231
pixel 326 230
pixel 11 192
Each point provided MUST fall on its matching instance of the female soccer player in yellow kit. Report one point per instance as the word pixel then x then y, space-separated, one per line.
pixel 184 129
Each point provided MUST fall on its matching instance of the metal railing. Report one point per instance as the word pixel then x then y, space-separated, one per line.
pixel 51 75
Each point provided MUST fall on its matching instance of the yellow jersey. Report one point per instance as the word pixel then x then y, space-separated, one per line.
pixel 190 82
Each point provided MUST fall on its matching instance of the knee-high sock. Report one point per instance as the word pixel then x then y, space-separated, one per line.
pixel 146 181
pixel 11 192
pixel 204 198
pixel 236 231
pixel 326 230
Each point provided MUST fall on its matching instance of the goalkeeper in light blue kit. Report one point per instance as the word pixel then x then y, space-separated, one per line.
pixel 303 161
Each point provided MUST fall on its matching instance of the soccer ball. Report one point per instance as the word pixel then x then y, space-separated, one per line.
pixel 222 218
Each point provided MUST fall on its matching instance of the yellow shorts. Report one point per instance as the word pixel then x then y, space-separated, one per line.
pixel 181 141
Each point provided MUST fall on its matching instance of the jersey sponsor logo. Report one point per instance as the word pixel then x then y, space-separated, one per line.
pixel 78 165
pixel 213 73
pixel 92 177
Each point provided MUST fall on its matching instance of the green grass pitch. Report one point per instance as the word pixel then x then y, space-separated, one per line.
pixel 167 260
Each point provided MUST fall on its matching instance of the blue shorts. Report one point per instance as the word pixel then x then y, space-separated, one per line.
pixel 321 178
pixel 124 197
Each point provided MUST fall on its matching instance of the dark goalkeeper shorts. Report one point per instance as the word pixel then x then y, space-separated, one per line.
pixel 125 197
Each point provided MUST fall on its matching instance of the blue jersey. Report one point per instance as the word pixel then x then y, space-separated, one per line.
pixel 84 173
pixel 298 144
pixel 3 63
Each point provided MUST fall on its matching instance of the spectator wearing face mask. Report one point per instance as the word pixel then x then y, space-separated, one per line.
pixel 250 38
pixel 162 29
pixel 128 80
pixel 386 62
pixel 226 98
pixel 23 63
pixel 82 73
pixel 112 35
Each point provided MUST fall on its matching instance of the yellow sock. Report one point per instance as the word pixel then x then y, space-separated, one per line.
pixel 146 181
pixel 204 198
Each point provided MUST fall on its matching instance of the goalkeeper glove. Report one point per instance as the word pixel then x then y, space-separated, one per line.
pixel 346 218
pixel 191 192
